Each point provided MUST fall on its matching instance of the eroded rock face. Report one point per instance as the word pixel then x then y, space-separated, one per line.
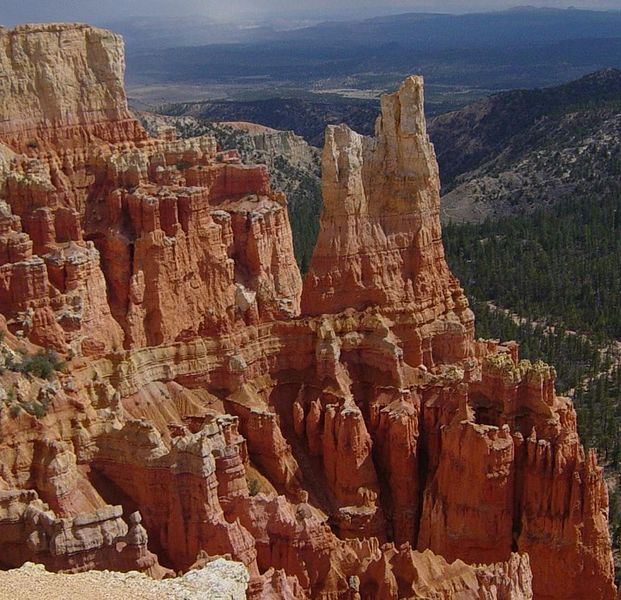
pixel 351 440
pixel 380 239
pixel 96 540
pixel 106 233
pixel 62 85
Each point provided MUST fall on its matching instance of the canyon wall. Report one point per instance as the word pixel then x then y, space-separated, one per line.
pixel 348 438
pixel 62 86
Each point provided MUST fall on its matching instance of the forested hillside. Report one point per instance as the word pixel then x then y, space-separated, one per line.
pixel 561 264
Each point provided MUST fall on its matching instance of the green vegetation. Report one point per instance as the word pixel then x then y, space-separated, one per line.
pixel 37 408
pixel 304 207
pixel 560 264
pixel 43 364
pixel 253 486
pixel 599 417
pixel 34 407
pixel 575 357
pixel 599 413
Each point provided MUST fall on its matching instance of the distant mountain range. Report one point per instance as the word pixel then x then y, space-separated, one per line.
pixel 481 52
pixel 434 31
pixel 513 27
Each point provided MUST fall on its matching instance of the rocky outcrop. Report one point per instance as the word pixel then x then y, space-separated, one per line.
pixel 348 441
pixel 294 166
pixel 29 531
pixel 63 85
pixel 56 299
pixel 166 221
pixel 270 144
pixel 380 241
pixel 177 490
pixel 202 230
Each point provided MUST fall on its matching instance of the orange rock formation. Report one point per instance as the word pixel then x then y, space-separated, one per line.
pixel 352 440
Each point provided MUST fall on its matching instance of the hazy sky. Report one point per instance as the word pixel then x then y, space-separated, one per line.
pixel 15 11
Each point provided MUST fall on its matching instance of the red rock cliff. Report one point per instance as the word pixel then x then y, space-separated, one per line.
pixel 108 232
pixel 370 448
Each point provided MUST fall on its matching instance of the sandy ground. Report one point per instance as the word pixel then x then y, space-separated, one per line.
pixel 220 580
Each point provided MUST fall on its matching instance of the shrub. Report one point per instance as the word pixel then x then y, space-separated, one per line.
pixel 43 364
pixel 36 409
pixel 253 486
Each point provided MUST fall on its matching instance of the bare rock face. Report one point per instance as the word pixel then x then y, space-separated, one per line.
pixel 349 440
pixel 62 85
pixel 56 299
pixel 96 540
pixel 107 233
pixel 178 489
pixel 380 241
pixel 208 234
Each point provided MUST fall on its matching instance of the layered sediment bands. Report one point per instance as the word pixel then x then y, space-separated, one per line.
pixel 177 489
pixel 57 299
pixel 101 539
pixel 482 458
pixel 224 253
pixel 350 440
pixel 63 85
pixel 447 459
pixel 380 240
pixel 166 222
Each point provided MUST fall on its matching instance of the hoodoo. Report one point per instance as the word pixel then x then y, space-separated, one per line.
pixel 351 439
pixel 380 240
